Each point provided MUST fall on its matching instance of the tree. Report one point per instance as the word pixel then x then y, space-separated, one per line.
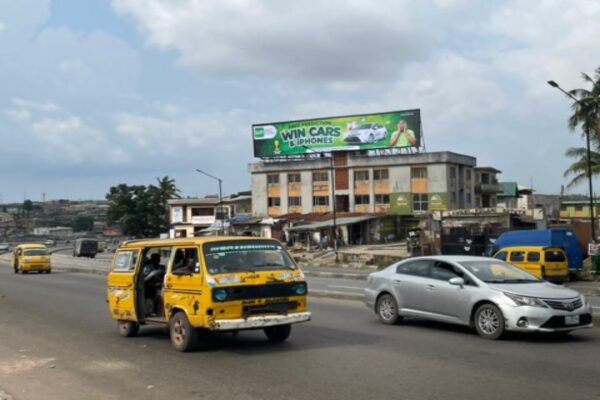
pixel 578 170
pixel 139 210
pixel 27 207
pixel 586 111
pixel 83 224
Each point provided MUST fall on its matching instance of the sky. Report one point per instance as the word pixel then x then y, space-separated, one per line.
pixel 95 93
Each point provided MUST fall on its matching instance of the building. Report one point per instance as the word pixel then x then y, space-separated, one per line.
pixel 56 231
pixel 570 209
pixel 486 187
pixel 399 184
pixel 200 216
pixel 514 196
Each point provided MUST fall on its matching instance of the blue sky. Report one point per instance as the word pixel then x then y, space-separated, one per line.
pixel 95 93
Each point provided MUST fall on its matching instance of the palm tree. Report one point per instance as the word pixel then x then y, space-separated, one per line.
pixel 578 170
pixel 168 189
pixel 586 111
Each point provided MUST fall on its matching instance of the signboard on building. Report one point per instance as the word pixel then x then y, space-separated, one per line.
pixel 395 129
pixel 203 219
pixel 176 215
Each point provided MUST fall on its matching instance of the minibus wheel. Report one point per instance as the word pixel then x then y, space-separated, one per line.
pixel 183 335
pixel 128 328
pixel 278 333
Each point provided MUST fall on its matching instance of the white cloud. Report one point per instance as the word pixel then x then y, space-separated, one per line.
pixel 2 27
pixel 32 105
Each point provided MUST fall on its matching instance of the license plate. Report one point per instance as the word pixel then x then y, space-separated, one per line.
pixel 572 320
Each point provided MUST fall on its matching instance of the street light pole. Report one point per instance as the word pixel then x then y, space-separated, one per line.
pixel 220 196
pixel 589 160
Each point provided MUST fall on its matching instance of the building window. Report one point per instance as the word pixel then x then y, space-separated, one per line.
pixel 273 178
pixel 563 208
pixel 294 201
pixel 320 200
pixel 452 173
pixel 293 178
pixel 320 177
pixel 418 172
pixel 361 199
pixel 453 196
pixel 381 174
pixel 361 176
pixel 200 212
pixel 578 208
pixel 274 201
pixel 469 198
pixel 420 202
pixel 382 199
pixel 468 174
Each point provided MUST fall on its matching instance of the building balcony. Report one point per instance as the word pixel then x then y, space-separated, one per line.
pixel 488 188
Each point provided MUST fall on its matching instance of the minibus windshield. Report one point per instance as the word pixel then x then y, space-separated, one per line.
pixel 245 256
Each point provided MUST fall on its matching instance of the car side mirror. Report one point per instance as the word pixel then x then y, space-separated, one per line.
pixel 457 281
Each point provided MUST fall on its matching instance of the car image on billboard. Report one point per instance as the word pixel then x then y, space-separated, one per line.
pixel 365 133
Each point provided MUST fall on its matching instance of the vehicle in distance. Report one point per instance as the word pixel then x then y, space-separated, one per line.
pixel 366 133
pixel 4 247
pixel 85 248
pixel 31 257
pixel 49 242
pixel 485 293
pixel 548 263
pixel 203 284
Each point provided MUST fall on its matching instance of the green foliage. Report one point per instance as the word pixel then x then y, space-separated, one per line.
pixel 83 224
pixel 139 210
pixel 586 113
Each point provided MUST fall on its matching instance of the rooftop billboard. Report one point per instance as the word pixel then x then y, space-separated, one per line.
pixel 394 129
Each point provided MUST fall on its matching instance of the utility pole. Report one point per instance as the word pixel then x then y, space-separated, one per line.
pixel 222 230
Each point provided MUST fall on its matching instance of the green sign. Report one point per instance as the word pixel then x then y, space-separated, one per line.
pixel 356 132
pixel 438 201
pixel 400 203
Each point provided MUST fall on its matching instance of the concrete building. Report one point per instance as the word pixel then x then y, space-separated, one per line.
pixel 570 209
pixel 201 216
pixel 398 184
pixel 55 231
pixel 486 187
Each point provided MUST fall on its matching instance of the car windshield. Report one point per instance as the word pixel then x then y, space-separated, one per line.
pixel 554 256
pixel 36 252
pixel 496 271
pixel 245 256
pixel 364 126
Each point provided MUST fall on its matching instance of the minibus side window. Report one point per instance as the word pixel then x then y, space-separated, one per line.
pixel 125 261
pixel 185 261
pixel 517 256
pixel 533 256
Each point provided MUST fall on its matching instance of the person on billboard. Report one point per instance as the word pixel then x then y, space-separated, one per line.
pixel 403 137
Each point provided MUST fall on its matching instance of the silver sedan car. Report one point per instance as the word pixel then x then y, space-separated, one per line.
pixel 485 293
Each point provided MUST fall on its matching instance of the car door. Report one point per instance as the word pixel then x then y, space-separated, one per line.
pixel 410 281
pixel 121 290
pixel 446 300
pixel 183 281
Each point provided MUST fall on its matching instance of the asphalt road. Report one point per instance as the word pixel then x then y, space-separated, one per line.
pixel 58 342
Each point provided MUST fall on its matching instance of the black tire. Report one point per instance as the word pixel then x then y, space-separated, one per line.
pixel 387 309
pixel 128 328
pixel 24 272
pixel 278 333
pixel 371 139
pixel 489 322
pixel 184 337
pixel 48 271
pixel 16 270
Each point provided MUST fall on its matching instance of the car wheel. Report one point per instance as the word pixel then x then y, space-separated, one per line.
pixel 371 138
pixel 278 333
pixel 489 322
pixel 24 272
pixel 183 335
pixel 387 309
pixel 128 328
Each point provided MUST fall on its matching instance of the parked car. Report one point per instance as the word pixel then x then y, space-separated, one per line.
pixel 485 293
pixel 548 263
pixel 49 242
pixel 4 247
pixel 555 237
pixel 366 133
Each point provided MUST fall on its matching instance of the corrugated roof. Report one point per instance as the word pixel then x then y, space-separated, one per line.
pixel 329 223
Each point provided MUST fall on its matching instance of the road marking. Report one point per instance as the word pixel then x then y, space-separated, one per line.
pixel 346 287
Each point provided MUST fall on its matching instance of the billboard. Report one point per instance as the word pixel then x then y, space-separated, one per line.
pixel 395 129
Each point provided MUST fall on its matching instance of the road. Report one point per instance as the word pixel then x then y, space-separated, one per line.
pixel 58 342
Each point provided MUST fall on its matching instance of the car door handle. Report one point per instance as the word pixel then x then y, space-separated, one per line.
pixel 397 281
pixel 429 287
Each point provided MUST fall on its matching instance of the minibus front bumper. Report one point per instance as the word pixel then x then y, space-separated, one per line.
pixel 257 322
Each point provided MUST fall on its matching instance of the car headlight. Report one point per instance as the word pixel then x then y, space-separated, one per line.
pixel 525 300
pixel 300 289
pixel 584 300
pixel 219 294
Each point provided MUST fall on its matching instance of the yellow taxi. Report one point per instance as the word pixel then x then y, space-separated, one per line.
pixel 548 263
pixel 202 284
pixel 31 257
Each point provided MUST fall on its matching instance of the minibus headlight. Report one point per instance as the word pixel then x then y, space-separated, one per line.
pixel 219 294
pixel 300 289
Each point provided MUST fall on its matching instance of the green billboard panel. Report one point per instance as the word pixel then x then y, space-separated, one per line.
pixel 395 129
pixel 400 203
